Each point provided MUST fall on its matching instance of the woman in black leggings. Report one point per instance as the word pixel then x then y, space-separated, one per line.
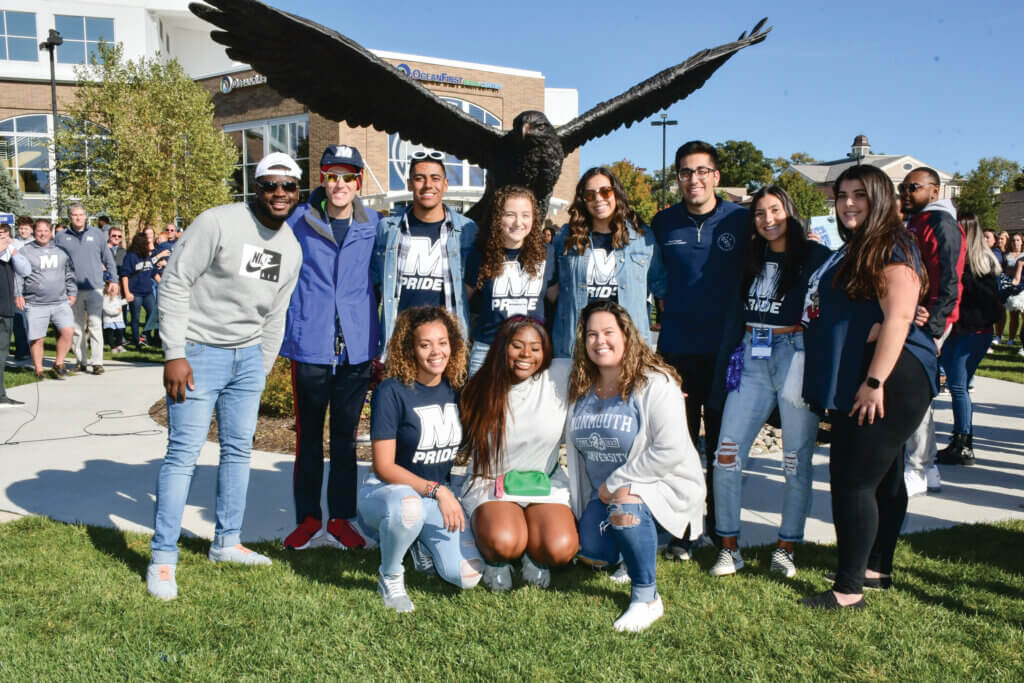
pixel 874 371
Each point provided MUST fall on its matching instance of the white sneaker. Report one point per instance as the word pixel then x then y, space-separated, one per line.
pixel 422 560
pixel 392 591
pixel 916 482
pixel 237 554
pixel 620 575
pixel 728 562
pixel 498 577
pixel 160 581
pixel 534 575
pixel 639 615
pixel 932 479
pixel 782 562
pixel 1021 352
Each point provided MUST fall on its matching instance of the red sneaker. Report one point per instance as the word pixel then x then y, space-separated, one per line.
pixel 343 532
pixel 303 534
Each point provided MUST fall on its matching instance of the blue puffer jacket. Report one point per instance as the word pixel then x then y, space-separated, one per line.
pixel 334 284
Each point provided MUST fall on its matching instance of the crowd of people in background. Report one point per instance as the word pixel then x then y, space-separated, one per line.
pixel 506 342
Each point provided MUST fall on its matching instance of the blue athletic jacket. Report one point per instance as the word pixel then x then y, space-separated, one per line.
pixel 334 288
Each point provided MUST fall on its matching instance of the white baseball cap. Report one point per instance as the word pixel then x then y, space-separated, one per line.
pixel 290 168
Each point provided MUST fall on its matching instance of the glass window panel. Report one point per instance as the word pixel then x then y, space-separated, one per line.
pixel 278 138
pixel 250 178
pixel 33 152
pixel 3 48
pixel 71 53
pixel 304 165
pixel 236 180
pixel 476 112
pixel 34 181
pixel 454 174
pixel 7 151
pixel 21 24
pixel 253 145
pixel 492 120
pixel 395 180
pixel 93 53
pixel 34 123
pixel 98 28
pixel 7 125
pixel 70 28
pixel 3 21
pixel 477 177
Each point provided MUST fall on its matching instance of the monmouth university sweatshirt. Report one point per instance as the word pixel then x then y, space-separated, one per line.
pixel 228 284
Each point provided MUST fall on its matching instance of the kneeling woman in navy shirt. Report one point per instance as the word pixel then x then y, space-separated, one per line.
pixel 416 433
pixel 873 370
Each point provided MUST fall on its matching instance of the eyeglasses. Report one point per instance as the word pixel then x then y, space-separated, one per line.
pixel 115 237
pixel 335 177
pixel 700 172
pixel 422 154
pixel 590 195
pixel 912 187
pixel 269 186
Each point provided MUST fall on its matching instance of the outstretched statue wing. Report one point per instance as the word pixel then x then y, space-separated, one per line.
pixel 341 80
pixel 656 93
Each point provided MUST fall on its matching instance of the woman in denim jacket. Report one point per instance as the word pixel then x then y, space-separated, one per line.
pixel 604 253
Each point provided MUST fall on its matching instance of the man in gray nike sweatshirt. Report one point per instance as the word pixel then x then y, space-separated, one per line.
pixel 223 300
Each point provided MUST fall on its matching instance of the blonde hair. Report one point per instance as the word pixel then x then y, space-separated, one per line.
pixel 401 361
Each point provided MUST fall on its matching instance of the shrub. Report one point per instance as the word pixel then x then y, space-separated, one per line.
pixel 277 395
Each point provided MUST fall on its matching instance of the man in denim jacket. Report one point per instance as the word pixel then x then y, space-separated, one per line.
pixel 419 255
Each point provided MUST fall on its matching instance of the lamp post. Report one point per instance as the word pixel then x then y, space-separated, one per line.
pixel 51 42
pixel 664 123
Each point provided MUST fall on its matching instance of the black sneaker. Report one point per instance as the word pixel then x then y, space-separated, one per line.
pixel 7 401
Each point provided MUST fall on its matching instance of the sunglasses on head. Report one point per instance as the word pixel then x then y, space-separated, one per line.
pixel 590 195
pixel 346 177
pixel 422 154
pixel 911 187
pixel 269 186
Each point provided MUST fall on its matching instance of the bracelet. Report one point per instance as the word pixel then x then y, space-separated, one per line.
pixel 431 490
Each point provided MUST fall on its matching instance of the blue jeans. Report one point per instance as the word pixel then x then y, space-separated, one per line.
pixel 961 355
pixel 397 517
pixel 746 410
pixel 636 545
pixel 230 381
pixel 477 355
pixel 141 301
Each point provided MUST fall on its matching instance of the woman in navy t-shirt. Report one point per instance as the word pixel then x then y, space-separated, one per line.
pixel 873 370
pixel 510 270
pixel 137 281
pixel 416 432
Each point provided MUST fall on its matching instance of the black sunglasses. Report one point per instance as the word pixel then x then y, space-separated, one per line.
pixel 911 187
pixel 269 186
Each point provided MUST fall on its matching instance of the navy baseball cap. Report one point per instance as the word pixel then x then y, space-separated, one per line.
pixel 342 155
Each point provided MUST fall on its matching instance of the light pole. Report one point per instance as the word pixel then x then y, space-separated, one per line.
pixel 664 123
pixel 51 42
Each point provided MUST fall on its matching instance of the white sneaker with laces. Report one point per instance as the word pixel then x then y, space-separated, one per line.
pixel 237 554
pixel 782 562
pixel 916 482
pixel 728 562
pixel 392 591
pixel 422 561
pixel 498 577
pixel 534 575
pixel 640 615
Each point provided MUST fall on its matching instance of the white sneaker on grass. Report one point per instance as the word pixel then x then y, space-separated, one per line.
pixel 534 575
pixel 728 562
pixel 160 581
pixel 639 615
pixel 237 554
pixel 392 591
pixel 498 577
pixel 782 562
pixel 620 575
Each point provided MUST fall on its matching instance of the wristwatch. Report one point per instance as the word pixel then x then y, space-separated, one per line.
pixel 873 382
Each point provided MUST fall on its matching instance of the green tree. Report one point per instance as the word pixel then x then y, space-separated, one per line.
pixel 809 202
pixel 672 195
pixel 781 164
pixel 10 194
pixel 979 194
pixel 140 143
pixel 742 165
pixel 638 188
pixel 1018 183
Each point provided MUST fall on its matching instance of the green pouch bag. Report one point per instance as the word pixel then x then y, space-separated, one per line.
pixel 527 483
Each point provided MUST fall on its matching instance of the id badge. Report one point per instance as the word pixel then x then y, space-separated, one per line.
pixel 761 342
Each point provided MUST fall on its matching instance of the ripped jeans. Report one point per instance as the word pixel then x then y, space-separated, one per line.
pixel 397 516
pixel 603 543
pixel 746 410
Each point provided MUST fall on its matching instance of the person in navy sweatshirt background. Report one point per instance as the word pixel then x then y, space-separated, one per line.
pixel 701 241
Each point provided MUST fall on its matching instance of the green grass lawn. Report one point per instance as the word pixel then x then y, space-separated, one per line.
pixel 73 606
pixel 1004 362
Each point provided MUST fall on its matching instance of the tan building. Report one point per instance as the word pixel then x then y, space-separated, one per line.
pixel 259 121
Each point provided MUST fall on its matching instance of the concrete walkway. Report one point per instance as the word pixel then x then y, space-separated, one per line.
pixel 91 454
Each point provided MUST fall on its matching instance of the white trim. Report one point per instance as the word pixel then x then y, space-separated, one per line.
pixel 507 70
pixel 242 125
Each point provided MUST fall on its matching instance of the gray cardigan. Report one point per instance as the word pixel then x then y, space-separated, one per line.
pixel 663 466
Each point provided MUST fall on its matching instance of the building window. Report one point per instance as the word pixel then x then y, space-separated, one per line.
pixel 461 173
pixel 19 40
pixel 256 139
pixel 26 153
pixel 82 36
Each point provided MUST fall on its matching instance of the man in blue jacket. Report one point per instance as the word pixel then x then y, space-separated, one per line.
pixel 702 240
pixel 420 253
pixel 331 337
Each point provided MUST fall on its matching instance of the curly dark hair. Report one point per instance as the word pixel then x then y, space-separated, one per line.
pixel 534 250
pixel 870 247
pixel 484 402
pixel 579 216
pixel 401 361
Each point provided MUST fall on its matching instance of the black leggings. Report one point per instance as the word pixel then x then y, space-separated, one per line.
pixel 869 498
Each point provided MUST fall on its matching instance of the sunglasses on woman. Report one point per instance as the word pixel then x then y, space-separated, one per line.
pixel 590 195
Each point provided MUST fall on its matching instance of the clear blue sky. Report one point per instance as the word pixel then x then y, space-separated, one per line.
pixel 942 80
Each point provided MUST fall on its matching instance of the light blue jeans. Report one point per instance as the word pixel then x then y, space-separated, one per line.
pixel 603 543
pixel 746 410
pixel 477 355
pixel 397 516
pixel 229 381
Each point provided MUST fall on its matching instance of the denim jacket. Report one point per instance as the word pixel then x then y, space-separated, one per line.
pixel 639 269
pixel 384 267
